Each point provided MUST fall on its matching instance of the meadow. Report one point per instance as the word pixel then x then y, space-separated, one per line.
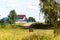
pixel 19 34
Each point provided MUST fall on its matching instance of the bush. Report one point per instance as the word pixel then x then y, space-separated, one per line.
pixel 41 26
pixel 37 37
pixel 2 23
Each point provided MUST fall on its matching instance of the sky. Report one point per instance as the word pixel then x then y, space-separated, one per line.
pixel 58 1
pixel 30 8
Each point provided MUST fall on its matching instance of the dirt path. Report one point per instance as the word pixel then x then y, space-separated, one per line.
pixel 27 25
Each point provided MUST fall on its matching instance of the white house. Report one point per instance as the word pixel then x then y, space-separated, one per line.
pixel 21 18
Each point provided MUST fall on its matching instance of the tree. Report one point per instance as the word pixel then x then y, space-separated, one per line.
pixel 47 8
pixel 31 19
pixel 50 9
pixel 2 22
pixel 12 17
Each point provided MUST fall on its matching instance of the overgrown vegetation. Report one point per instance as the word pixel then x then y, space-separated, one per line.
pixel 2 23
pixel 19 34
pixel 50 9
pixel 37 37
pixel 41 26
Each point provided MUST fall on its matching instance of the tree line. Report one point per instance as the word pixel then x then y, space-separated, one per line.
pixel 12 17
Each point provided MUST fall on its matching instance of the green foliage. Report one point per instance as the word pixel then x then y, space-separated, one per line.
pixel 58 24
pixel 37 37
pixel 12 17
pixel 41 26
pixel 13 26
pixel 16 26
pixel 50 9
pixel 2 22
pixel 31 19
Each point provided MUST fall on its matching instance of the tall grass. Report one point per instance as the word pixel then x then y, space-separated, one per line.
pixel 37 37
pixel 24 34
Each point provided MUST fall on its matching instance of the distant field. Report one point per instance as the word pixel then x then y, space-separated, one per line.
pixel 18 34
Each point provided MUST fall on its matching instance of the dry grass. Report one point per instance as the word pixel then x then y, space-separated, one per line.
pixel 18 34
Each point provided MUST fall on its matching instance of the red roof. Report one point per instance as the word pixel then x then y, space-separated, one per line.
pixel 21 16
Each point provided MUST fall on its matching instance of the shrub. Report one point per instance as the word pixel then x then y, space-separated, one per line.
pixel 2 23
pixel 37 37
pixel 41 26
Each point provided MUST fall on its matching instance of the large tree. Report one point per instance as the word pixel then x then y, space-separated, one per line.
pixel 50 9
pixel 12 16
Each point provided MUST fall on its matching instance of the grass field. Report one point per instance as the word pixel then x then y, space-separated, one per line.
pixel 18 34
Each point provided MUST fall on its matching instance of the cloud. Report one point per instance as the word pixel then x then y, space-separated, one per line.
pixel 32 7
pixel 37 2
pixel 28 7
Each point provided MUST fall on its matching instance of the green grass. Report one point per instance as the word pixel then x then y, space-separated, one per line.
pixel 21 24
pixel 18 34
